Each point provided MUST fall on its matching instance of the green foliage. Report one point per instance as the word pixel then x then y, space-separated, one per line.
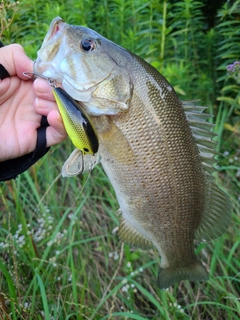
pixel 59 258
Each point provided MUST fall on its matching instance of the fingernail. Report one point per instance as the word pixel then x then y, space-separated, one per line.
pixel 39 85
pixel 37 102
pixel 35 84
pixel 59 118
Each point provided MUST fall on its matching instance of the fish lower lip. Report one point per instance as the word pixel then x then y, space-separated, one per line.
pixel 46 71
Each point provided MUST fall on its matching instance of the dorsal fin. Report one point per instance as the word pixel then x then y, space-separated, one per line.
pixel 217 213
pixel 202 133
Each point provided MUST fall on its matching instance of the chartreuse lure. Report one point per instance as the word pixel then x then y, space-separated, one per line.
pixel 76 122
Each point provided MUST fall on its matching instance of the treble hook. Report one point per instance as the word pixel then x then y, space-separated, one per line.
pixel 34 75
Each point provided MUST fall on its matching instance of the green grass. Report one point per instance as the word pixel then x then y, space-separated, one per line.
pixel 59 257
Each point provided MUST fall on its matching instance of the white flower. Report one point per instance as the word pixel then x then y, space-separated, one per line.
pixel 70 215
pixel 116 256
pixel 124 289
pixel 21 239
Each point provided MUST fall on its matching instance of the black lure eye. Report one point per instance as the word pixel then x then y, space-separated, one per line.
pixel 88 45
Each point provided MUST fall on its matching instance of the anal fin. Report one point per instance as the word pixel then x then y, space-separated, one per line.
pixel 132 236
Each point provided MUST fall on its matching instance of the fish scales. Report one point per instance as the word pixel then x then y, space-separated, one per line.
pixel 163 175
pixel 156 150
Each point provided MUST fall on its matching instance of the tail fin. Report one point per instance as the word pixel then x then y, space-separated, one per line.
pixel 168 276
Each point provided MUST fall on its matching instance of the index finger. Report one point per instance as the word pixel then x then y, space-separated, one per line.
pixel 43 90
pixel 15 60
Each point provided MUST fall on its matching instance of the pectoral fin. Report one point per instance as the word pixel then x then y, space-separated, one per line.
pixel 114 141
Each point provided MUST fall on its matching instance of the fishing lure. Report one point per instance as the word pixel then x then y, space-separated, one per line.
pixel 76 122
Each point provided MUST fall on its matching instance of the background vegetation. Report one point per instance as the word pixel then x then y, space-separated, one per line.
pixel 59 258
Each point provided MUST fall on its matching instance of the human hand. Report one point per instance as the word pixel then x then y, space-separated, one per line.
pixel 22 105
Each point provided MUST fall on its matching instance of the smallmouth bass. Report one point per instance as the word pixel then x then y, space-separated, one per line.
pixel 156 150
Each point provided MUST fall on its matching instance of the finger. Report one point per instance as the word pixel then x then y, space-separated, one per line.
pixel 15 60
pixel 43 90
pixel 43 106
pixel 4 85
pixel 55 132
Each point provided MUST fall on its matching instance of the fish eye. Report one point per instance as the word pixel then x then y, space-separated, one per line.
pixel 88 45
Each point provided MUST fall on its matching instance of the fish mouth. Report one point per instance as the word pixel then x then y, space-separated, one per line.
pixel 42 66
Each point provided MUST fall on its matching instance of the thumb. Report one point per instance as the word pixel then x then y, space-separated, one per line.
pixel 55 132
